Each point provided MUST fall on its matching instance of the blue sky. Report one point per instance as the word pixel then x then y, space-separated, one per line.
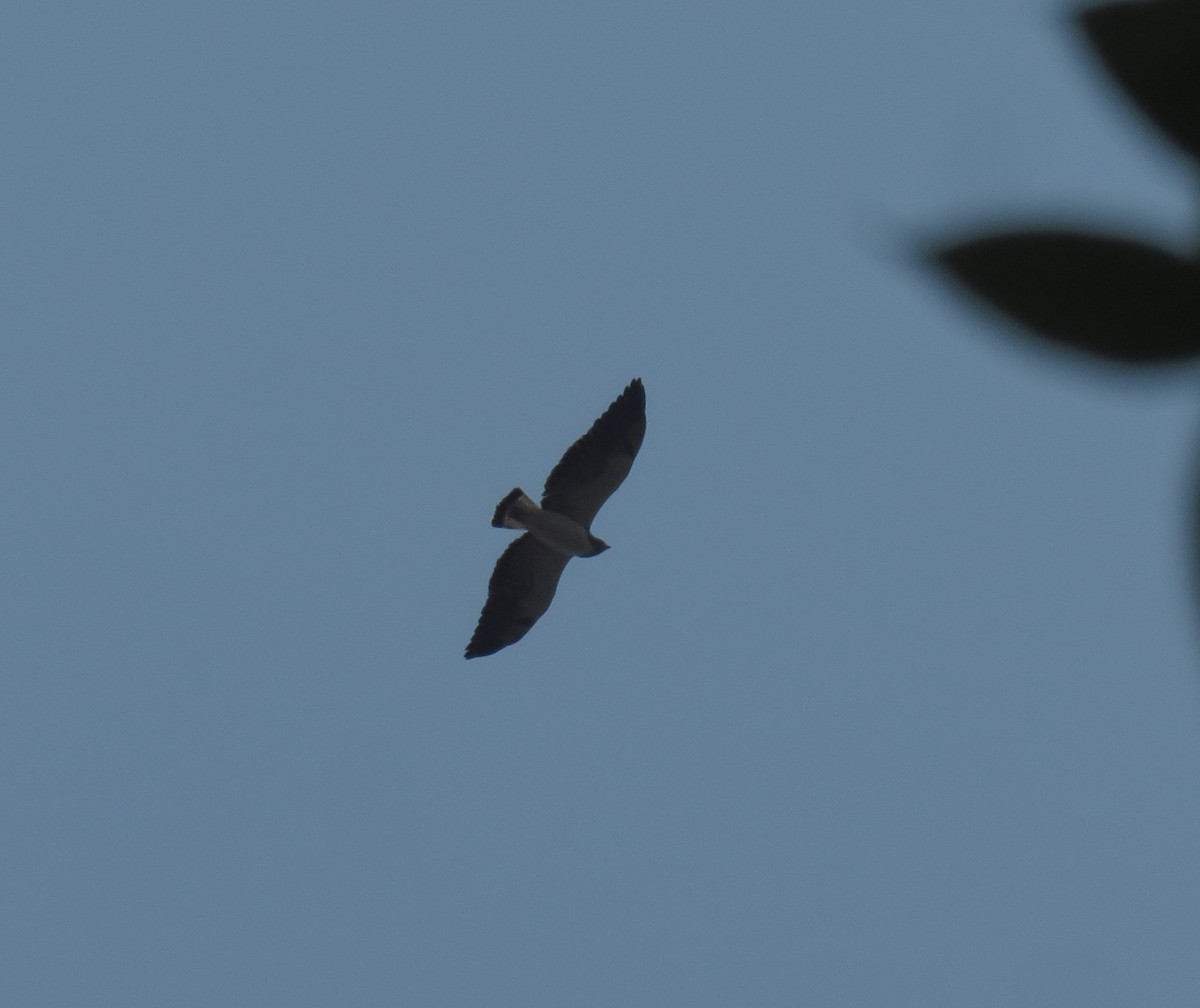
pixel 886 693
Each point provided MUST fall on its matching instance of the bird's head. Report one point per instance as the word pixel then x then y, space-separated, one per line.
pixel 598 545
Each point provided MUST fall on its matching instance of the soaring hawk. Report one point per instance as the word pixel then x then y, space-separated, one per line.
pixel 526 575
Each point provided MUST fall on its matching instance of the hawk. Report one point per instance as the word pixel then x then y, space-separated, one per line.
pixel 526 575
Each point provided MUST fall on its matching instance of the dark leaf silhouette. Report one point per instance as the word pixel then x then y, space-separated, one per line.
pixel 1119 299
pixel 1111 297
pixel 1153 50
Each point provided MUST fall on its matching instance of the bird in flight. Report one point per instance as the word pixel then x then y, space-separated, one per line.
pixel 526 575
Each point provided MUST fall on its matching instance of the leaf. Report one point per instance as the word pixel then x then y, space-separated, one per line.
pixel 1113 297
pixel 1153 51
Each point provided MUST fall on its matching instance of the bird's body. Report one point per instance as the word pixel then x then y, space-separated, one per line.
pixel 526 576
pixel 562 534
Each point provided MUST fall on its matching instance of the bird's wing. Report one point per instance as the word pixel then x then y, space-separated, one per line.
pixel 520 590
pixel 595 465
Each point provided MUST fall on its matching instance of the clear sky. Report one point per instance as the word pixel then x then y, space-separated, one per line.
pixel 888 691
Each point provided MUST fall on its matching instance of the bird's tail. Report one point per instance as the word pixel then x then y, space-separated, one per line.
pixel 509 511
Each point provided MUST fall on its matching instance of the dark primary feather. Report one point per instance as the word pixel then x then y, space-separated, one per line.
pixel 595 465
pixel 521 588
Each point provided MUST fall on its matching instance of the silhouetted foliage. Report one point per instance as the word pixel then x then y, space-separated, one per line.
pixel 1109 296
pixel 1153 51
pixel 1112 297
